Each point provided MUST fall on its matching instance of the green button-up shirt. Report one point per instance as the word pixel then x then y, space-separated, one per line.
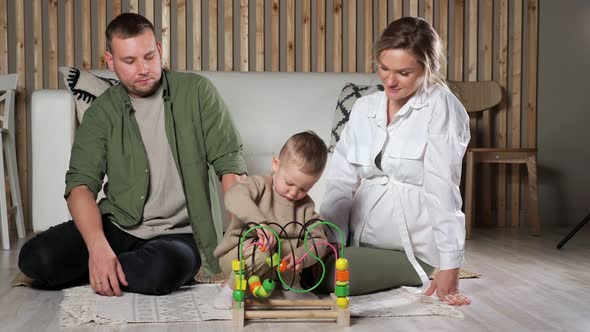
pixel 200 133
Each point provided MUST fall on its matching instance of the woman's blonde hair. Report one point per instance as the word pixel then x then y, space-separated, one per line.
pixel 419 37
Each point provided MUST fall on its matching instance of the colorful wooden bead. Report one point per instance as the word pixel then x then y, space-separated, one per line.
pixel 341 290
pixel 254 282
pixel 342 302
pixel 253 279
pixel 341 283
pixel 275 260
pixel 342 275
pixel 240 285
pixel 260 292
pixel 283 266
pixel 268 285
pixel 235 265
pixel 239 295
pixel 341 264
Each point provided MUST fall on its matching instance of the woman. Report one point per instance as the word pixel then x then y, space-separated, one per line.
pixel 393 181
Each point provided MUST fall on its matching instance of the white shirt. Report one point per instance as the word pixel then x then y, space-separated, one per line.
pixel 413 203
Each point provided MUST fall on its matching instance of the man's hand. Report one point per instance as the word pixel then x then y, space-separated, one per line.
pixel 446 286
pixel 104 270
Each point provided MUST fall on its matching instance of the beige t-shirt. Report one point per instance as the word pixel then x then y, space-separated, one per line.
pixel 165 209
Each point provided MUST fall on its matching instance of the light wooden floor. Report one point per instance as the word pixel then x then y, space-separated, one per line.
pixel 527 285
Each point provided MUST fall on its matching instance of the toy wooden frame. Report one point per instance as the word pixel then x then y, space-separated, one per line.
pixel 252 309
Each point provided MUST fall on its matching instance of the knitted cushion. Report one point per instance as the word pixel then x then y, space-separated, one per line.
pixel 85 87
pixel 348 96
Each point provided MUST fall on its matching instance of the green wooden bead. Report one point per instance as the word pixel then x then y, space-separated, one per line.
pixel 341 291
pixel 238 295
pixel 268 285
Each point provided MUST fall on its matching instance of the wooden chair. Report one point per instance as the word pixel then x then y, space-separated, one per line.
pixel 8 84
pixel 483 96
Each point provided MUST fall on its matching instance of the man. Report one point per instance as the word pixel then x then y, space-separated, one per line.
pixel 154 136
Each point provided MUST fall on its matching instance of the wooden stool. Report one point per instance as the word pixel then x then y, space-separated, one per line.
pixel 8 84
pixel 503 156
pixel 484 96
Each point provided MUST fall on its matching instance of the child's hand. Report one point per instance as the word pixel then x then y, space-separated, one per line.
pixel 289 260
pixel 267 238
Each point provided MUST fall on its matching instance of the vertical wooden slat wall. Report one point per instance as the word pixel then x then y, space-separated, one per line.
pixel 306 36
pixel 501 119
pixel 21 109
pixel 472 58
pixel 69 32
pixel 337 38
pixel 197 38
pixel 52 21
pixel 443 31
pixel 516 111
pixel 351 51
pixel 181 32
pixel 86 35
pixel 259 35
pixel 3 37
pixel 368 36
pixel 486 42
pixel 149 9
pixel 117 7
pixel 166 33
pixel 228 35
pixel 485 201
pixel 321 37
pixel 244 35
pixel 101 25
pixel 290 35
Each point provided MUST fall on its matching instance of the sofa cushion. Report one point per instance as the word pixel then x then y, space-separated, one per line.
pixel 348 96
pixel 85 87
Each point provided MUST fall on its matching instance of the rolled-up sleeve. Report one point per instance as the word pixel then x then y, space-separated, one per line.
pixel 88 158
pixel 447 141
pixel 222 141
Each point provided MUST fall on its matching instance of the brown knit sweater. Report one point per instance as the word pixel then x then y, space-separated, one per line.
pixel 255 200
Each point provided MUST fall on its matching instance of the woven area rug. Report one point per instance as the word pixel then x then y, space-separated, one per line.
pixel 463 274
pixel 82 306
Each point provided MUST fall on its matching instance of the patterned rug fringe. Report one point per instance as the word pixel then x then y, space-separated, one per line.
pixel 463 274
pixel 202 278
pixel 79 308
pixel 440 308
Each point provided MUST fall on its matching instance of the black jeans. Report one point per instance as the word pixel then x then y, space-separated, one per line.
pixel 58 258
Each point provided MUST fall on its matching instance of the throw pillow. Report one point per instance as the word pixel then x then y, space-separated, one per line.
pixel 85 87
pixel 348 96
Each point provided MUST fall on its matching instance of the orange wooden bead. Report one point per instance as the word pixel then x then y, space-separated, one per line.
pixel 342 275
pixel 254 285
pixel 283 266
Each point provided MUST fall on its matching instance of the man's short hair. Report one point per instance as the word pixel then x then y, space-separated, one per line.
pixel 127 25
pixel 307 150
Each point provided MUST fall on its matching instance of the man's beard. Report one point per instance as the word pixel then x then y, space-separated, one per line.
pixel 143 93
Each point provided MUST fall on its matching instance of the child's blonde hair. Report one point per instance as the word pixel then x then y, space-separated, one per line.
pixel 307 150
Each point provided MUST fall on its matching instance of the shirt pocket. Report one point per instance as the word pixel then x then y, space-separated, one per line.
pixel 406 159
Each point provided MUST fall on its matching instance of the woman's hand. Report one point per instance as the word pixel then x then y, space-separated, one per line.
pixel 446 286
